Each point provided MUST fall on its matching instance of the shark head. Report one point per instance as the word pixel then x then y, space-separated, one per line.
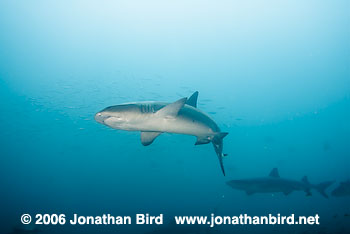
pixel 238 184
pixel 118 116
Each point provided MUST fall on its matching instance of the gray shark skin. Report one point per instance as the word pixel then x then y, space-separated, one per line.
pixel 155 118
pixel 275 184
pixel 342 190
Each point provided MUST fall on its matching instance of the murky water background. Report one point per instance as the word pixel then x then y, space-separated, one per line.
pixel 273 74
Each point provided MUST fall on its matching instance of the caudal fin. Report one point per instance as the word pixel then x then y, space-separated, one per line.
pixel 321 188
pixel 222 164
pixel 218 146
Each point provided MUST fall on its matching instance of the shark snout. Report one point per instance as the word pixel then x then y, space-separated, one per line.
pixel 235 183
pixel 100 117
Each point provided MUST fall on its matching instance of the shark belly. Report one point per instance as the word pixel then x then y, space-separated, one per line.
pixel 179 126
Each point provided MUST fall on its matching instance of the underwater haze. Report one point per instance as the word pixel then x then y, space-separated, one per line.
pixel 273 74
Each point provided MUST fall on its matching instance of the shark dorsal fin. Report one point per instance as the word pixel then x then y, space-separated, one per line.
pixel 192 101
pixel 172 109
pixel 148 137
pixel 274 173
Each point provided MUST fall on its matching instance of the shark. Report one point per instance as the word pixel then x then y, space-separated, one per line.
pixel 153 118
pixel 342 190
pixel 273 183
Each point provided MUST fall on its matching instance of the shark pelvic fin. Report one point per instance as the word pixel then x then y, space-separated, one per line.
pixel 274 173
pixel 148 137
pixel 216 138
pixel 192 101
pixel 203 140
pixel 172 109
pixel 307 190
pixel 308 193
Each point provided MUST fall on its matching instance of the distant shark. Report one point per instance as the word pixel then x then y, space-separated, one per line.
pixel 155 118
pixel 342 190
pixel 275 184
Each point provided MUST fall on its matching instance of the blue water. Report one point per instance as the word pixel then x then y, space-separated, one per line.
pixel 274 74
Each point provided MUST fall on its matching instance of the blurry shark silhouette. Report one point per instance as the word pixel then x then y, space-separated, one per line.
pixel 275 184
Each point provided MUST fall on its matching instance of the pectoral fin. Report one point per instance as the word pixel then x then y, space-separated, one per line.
pixel 148 137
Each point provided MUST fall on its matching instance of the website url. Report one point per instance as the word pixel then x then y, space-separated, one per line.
pixel 245 219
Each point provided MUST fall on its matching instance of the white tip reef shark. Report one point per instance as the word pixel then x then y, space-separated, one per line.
pixel 155 118
pixel 275 184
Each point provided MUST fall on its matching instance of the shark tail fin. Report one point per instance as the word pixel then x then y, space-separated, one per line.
pixel 218 146
pixel 222 164
pixel 321 188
